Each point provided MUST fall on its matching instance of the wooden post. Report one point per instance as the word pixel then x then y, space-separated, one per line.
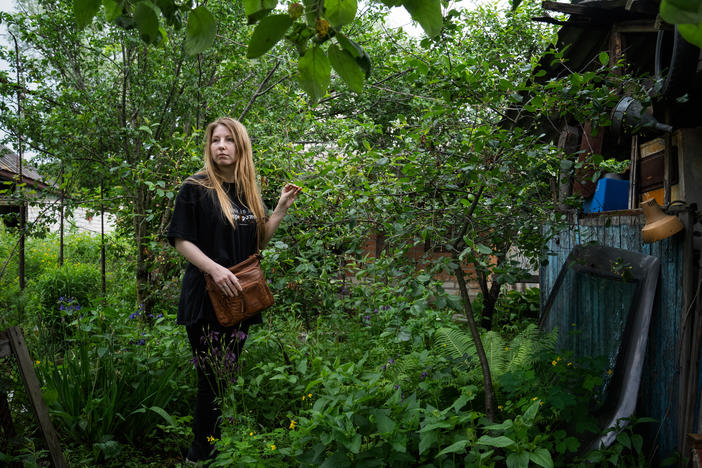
pixel 687 386
pixel 18 347
pixel 7 428
pixel 695 441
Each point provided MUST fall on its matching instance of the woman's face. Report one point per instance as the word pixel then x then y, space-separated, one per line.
pixel 222 148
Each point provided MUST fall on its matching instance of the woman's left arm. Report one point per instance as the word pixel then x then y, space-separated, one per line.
pixel 287 197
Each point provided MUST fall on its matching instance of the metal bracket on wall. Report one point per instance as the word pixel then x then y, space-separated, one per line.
pixel 12 344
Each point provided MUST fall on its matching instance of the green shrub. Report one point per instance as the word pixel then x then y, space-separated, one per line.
pixel 59 293
pixel 77 282
pixel 119 381
pixel 82 247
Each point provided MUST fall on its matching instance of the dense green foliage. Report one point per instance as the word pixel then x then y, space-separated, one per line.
pixel 384 376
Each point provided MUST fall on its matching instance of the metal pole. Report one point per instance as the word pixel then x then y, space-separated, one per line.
pixel 102 241
pixel 61 220
pixel 23 213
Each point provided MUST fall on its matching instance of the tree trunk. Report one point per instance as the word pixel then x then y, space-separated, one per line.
pixel 490 296
pixel 468 309
pixel 144 296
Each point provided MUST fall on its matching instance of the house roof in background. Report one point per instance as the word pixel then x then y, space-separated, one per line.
pixel 9 169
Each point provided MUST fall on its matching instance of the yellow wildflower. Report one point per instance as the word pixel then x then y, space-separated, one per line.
pixel 609 371
pixel 272 446
pixel 251 434
pixel 570 364
pixel 303 397
pixel 293 423
pixel 554 362
pixel 210 439
pixel 535 398
pixel 309 395
pixel 506 348
pixel 499 407
pixel 37 362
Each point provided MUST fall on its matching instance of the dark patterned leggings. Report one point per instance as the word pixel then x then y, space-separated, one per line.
pixel 215 355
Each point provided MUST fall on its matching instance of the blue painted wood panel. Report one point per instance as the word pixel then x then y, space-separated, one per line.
pixel 658 395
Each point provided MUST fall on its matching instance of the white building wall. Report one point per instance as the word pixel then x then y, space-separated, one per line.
pixel 79 221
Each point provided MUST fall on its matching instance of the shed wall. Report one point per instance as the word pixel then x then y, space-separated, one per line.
pixel 658 395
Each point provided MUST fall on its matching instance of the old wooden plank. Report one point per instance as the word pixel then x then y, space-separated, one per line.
pixel 688 354
pixel 31 384
pixel 5 349
pixel 6 425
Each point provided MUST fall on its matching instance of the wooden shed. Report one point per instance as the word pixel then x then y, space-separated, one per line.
pixel 670 390
pixel 665 163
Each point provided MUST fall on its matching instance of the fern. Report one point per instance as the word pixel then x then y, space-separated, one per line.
pixel 520 353
pixel 455 345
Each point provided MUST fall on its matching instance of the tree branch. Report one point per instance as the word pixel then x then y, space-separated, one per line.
pixel 259 91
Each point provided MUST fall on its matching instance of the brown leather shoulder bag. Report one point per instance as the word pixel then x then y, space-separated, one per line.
pixel 256 295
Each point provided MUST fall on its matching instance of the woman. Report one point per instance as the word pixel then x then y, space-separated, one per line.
pixel 219 220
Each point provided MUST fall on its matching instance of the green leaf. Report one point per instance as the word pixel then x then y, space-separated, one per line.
pixel 356 51
pixel 500 441
pixel 147 22
pixel 384 423
pixel 483 249
pixel 541 457
pixel 314 73
pixel 427 440
pixel 530 413
pixel 113 10
pixel 456 447
pixel 340 12
pixel 200 32
pixel 168 8
pixel 427 13
pixel 518 460
pixel 257 9
pixel 355 445
pixel 623 438
pixel 85 11
pixel 161 412
pixel 604 58
pixel 681 11
pixel 268 32
pixel 347 67
pixel 692 33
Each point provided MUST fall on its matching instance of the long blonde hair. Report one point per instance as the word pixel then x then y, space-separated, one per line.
pixel 244 174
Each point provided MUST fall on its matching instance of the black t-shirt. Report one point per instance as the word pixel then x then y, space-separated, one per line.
pixel 197 218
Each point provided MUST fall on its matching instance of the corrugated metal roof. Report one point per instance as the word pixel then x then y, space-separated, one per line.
pixel 9 162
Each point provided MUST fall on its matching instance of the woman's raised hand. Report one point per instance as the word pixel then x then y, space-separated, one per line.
pixel 288 196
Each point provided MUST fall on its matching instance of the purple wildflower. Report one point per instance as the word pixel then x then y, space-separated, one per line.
pixel 391 361
pixel 424 375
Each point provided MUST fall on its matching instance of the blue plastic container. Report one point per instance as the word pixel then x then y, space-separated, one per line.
pixel 610 195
